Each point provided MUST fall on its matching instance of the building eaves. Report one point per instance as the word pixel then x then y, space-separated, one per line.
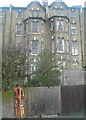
pixel 4 8
pixel 12 7
pixel 17 8
pixel 59 17
pixel 76 7
pixel 34 18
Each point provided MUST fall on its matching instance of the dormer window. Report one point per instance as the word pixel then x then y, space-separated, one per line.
pixel 34 13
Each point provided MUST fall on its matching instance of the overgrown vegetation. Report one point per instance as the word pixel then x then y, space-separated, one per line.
pixel 13 66
pixel 47 73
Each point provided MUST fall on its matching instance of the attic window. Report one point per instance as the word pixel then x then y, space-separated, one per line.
pixel 34 13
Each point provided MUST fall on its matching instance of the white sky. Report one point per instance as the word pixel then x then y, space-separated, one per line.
pixel 24 3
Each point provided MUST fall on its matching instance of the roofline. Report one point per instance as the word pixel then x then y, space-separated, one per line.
pixel 57 2
pixel 34 18
pixel 35 2
pixel 59 16
pixel 13 7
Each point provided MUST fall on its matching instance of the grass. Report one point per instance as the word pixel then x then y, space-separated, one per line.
pixel 7 96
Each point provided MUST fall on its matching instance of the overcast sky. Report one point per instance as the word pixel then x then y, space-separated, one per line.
pixel 24 3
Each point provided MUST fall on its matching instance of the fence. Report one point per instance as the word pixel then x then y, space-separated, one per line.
pixel 49 101
pixel 55 100
pixel 72 99
pixel 43 100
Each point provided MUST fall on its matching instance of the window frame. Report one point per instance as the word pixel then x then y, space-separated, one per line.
pixel 58 23
pixel 74 49
pixel 17 14
pixel 34 30
pixel 59 46
pixel 32 53
pixel 17 30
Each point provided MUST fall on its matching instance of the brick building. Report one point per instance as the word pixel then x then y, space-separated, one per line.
pixel 56 27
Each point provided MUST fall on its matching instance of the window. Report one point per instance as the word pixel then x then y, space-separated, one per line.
pixel 75 64
pixel 53 46
pixel 31 13
pixel 60 45
pixel 73 29
pixel 34 13
pixel 34 46
pixel 58 10
pixel 37 13
pixel 67 46
pixel 52 26
pixel 35 26
pixel 74 48
pixel 19 14
pixel 19 29
pixel 61 64
pixel 60 25
pixel 33 67
pixel 72 14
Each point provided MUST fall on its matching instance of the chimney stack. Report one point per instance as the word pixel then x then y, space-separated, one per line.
pixel 45 3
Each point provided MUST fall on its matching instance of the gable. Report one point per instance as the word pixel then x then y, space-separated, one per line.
pixel 58 5
pixel 35 5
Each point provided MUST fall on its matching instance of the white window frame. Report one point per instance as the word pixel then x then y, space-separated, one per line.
pixel 73 28
pixel 53 45
pixel 52 26
pixel 18 12
pixel 58 45
pixel 74 49
pixel 32 26
pixel 57 25
pixel 34 67
pixel 31 47
pixel 17 30
pixel 62 63
pixel 74 64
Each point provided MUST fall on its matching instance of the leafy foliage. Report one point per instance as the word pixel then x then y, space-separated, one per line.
pixel 84 68
pixel 47 73
pixel 13 66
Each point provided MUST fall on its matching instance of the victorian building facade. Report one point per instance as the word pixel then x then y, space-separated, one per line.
pixel 56 27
